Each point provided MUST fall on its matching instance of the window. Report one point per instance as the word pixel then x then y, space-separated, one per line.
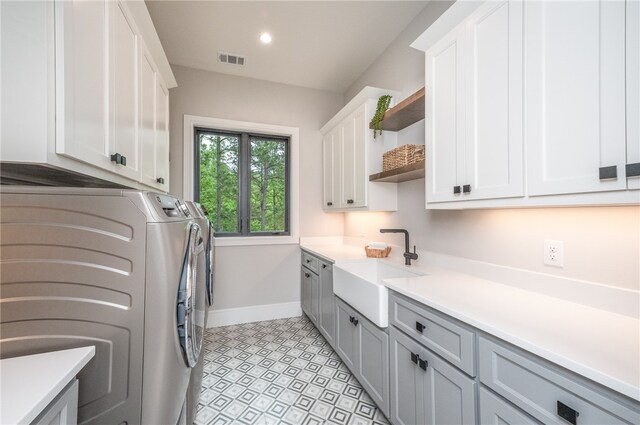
pixel 242 180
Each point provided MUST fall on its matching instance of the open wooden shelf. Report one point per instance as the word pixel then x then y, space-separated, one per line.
pixel 405 113
pixel 408 172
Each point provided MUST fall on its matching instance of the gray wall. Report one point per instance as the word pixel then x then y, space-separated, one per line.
pixel 255 275
pixel 601 244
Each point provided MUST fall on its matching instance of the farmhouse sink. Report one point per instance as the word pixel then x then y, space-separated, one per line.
pixel 360 284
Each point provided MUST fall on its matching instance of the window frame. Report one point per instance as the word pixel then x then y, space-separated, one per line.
pixel 186 189
pixel 244 180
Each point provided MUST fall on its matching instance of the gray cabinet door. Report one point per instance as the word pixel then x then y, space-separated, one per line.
pixel 449 395
pixel 495 411
pixel 314 288
pixel 305 291
pixel 373 362
pixel 346 334
pixel 406 383
pixel 327 303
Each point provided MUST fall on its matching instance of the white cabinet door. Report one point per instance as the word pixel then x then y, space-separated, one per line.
pixel 82 81
pixel 123 54
pixel 147 131
pixel 331 170
pixel 162 134
pixel 493 100
pixel 633 94
pixel 444 112
pixel 348 148
pixel 360 124
pixel 575 94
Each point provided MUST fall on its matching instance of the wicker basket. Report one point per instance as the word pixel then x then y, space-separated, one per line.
pixel 377 253
pixel 401 156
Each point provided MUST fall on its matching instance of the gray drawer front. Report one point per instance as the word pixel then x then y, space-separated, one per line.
pixel 445 338
pixel 537 389
pixel 310 262
pixel 495 411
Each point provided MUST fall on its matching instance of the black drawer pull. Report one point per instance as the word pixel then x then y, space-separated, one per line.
pixel 355 321
pixel 456 190
pixel 119 159
pixel 415 358
pixel 466 188
pixel 329 204
pixel 608 172
pixel 419 327
pixel 349 201
pixel 324 266
pixel 308 260
pixel 567 413
pixel 351 318
pixel 423 364
pixel 160 180
pixel 632 170
pixel 307 275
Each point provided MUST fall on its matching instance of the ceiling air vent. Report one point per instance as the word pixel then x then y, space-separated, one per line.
pixel 231 58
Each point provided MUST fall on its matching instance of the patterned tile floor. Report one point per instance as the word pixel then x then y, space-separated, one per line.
pixel 279 372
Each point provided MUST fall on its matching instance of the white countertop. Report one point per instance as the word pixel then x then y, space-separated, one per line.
pixel 598 344
pixel 30 383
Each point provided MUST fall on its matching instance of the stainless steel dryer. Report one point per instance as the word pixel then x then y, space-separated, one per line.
pixel 117 269
pixel 195 381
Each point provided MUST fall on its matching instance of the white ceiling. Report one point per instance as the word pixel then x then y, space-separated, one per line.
pixel 318 44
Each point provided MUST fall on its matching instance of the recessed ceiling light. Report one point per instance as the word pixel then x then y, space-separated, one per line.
pixel 265 37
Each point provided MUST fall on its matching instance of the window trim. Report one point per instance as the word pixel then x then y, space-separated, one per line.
pixel 244 178
pixel 193 122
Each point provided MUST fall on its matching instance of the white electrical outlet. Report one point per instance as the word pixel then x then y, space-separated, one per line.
pixel 554 253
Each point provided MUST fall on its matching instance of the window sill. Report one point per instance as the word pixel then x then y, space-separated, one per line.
pixel 256 240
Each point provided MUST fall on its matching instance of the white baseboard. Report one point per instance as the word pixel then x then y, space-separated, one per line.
pixel 254 313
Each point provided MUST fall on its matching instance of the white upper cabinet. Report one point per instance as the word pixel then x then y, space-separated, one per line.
pixel 82 81
pixel 532 103
pixel 124 105
pixel 575 96
pixel 98 97
pixel 350 154
pixel 154 125
pixel 331 168
pixel 473 109
pixel 633 95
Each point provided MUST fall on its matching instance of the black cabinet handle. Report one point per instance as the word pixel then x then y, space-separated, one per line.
pixel 355 321
pixel 466 188
pixel 349 201
pixel 568 414
pixel 419 327
pixel 307 275
pixel 415 358
pixel 632 170
pixel 606 173
pixel 324 266
pixel 308 261
pixel 119 159
pixel 160 180
pixel 456 190
pixel 423 364
pixel 351 319
pixel 329 204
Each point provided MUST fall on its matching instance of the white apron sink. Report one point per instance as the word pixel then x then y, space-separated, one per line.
pixel 360 284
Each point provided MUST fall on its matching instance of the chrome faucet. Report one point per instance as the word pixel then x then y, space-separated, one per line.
pixel 408 255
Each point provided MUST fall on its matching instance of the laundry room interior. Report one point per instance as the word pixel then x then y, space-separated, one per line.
pixel 320 212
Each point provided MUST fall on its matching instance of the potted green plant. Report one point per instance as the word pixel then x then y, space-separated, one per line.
pixel 381 108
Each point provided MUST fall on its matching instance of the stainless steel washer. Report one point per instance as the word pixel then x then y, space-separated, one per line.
pixel 117 269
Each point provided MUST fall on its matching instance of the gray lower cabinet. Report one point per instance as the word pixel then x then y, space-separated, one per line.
pixel 364 348
pixel 495 411
pixel 548 393
pixel 310 291
pixel 317 294
pixel 327 315
pixel 426 389
pixel 63 410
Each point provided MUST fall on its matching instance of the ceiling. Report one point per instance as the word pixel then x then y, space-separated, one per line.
pixel 323 45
